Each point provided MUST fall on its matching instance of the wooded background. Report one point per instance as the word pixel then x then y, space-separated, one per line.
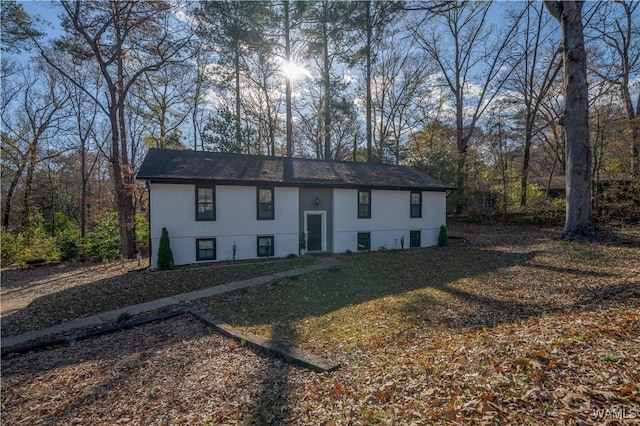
pixel 468 92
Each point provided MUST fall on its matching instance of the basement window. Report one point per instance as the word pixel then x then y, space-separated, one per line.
pixel 265 246
pixel 415 239
pixel 364 241
pixel 205 249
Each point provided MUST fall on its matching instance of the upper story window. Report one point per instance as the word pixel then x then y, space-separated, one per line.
pixel 205 202
pixel 265 204
pixel 364 204
pixel 416 204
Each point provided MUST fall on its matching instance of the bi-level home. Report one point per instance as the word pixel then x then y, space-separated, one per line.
pixel 221 206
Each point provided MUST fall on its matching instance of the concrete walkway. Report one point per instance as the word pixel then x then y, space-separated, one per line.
pixel 105 318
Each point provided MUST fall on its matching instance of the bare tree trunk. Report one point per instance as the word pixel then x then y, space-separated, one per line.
pixel 236 65
pixel 11 191
pixel 367 77
pixel 465 28
pixel 83 190
pixel 628 57
pixel 326 81
pixel 125 181
pixel 194 113
pixel 28 190
pixel 287 49
pixel 575 119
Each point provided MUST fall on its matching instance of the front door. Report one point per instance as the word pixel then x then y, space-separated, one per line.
pixel 314 232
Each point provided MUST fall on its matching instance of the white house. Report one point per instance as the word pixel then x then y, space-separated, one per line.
pixel 221 206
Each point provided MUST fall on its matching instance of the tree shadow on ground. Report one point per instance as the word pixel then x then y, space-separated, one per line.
pixel 465 275
pixel 415 276
pixel 272 402
pixel 402 284
pixel 143 364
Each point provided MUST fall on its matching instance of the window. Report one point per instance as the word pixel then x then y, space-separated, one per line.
pixel 205 202
pixel 265 246
pixel 364 204
pixel 416 204
pixel 265 204
pixel 206 249
pixel 364 241
pixel 414 239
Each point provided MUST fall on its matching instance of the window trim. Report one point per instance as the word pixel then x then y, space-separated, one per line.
pixel 368 216
pixel 412 239
pixel 199 186
pixel 358 241
pixel 215 249
pixel 272 203
pixel 411 204
pixel 272 245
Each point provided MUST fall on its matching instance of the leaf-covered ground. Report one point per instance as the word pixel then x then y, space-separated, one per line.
pixel 504 326
pixel 37 298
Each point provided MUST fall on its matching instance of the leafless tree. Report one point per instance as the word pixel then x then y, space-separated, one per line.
pixel 36 117
pixel 163 107
pixel 474 62
pixel 398 85
pixel 533 77
pixel 616 28
pixel 86 130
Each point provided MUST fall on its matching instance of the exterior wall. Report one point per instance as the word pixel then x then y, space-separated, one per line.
pixel 173 206
pixel 390 219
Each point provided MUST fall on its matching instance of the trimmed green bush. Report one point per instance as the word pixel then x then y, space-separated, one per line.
pixel 165 255
pixel 443 238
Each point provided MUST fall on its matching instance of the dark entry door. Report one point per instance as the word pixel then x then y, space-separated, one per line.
pixel 314 230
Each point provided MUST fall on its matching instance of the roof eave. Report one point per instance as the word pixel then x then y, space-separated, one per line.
pixel 345 185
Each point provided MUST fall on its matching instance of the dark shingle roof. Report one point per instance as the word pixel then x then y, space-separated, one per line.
pixel 166 165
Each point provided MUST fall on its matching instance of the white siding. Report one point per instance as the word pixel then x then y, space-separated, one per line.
pixel 173 207
pixel 390 219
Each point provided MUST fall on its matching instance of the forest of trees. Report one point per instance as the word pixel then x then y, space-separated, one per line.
pixel 471 93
